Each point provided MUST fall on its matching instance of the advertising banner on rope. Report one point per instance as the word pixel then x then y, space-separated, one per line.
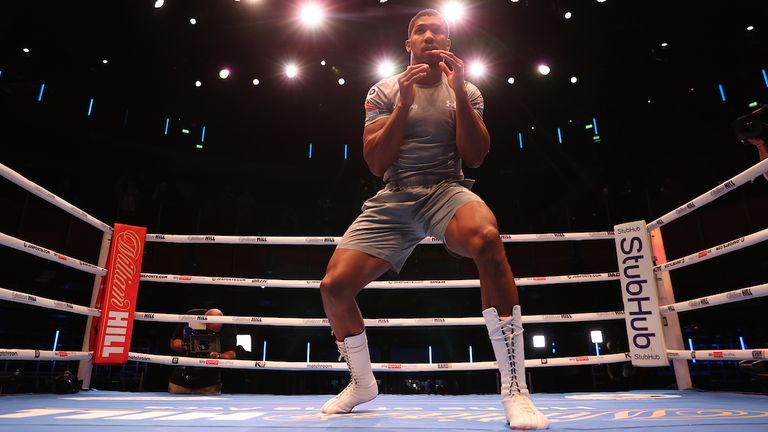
pixel 641 300
pixel 118 296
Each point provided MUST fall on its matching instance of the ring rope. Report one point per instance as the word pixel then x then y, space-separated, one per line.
pixel 331 241
pixel 459 283
pixel 20 297
pixel 755 171
pixel 717 299
pixel 41 192
pixel 712 252
pixel 50 255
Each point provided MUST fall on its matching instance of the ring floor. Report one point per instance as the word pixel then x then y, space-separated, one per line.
pixel 126 412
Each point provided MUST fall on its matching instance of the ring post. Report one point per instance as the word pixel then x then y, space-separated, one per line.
pixel 638 289
pixel 673 334
pixel 86 366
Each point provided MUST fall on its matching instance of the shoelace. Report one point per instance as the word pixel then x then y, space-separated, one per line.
pixel 506 330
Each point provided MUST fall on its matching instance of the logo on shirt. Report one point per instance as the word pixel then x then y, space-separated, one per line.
pixel 450 104
pixel 372 91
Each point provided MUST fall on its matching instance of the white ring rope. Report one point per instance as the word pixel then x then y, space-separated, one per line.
pixel 372 322
pixel 20 297
pixel 33 188
pixel 11 354
pixel 50 255
pixel 331 241
pixel 717 299
pixel 460 283
pixel 707 197
pixel 712 252
pixel 719 355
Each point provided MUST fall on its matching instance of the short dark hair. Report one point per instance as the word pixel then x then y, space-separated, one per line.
pixel 428 12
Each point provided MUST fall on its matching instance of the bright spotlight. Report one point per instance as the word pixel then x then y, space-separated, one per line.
pixel 597 336
pixel 224 73
pixel 386 69
pixel 256 81
pixel 544 69
pixel 477 69
pixel 511 80
pixel 750 28
pixel 159 4
pixel 323 63
pixel 26 50
pixel 664 44
pixel 341 81
pixel 198 83
pixel 105 61
pixel 538 341
pixel 574 79
pixel 568 15
pixel 311 15
pixel 291 71
pixel 192 21
pixel 453 11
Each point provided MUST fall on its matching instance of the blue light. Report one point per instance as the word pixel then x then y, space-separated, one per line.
pixel 202 138
pixel 1 73
pixel 765 77
pixel 90 107
pixel 310 150
pixel 430 354
pixel 741 342
pixel 56 340
pixel 520 138
pixel 690 347
pixel 594 124
pixel 167 122
pixel 471 359
pixel 722 92
pixel 597 348
pixel 345 152
pixel 307 352
pixel 559 136
pixel 264 351
pixel 40 95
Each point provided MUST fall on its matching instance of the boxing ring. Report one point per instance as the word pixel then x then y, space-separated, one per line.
pixel 684 409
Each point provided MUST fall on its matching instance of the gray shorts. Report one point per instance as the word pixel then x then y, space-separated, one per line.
pixel 396 219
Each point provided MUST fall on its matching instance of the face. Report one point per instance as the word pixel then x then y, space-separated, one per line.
pixel 217 326
pixel 428 34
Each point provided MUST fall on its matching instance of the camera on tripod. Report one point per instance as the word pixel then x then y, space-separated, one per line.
pixel 752 126
pixel 199 341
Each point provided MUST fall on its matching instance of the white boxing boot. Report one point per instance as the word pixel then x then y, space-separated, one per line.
pixel 362 384
pixel 507 341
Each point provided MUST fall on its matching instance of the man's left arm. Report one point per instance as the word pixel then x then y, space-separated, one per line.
pixel 472 138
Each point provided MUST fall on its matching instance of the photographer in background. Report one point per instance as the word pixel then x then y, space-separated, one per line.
pixel 762 150
pixel 215 341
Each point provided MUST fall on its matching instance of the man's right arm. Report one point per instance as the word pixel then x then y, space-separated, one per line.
pixel 382 138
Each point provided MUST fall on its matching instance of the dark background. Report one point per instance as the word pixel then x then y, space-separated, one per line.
pixel 253 175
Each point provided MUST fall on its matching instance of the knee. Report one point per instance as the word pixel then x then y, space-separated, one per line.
pixel 485 243
pixel 333 288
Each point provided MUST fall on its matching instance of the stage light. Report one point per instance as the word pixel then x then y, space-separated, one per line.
pixel 192 21
pixel 159 4
pixel 539 341
pixel 664 44
pixel 386 69
pixel 291 71
pixel 510 80
pixel 574 80
pixel 224 73
pixel 477 69
pixel 105 61
pixel 750 28
pixel 568 15
pixel 244 341
pixel 323 63
pixel 601 1
pixel 311 15
pixel 597 336
pixel 26 50
pixel 342 81
pixel 256 81
pixel 544 69
pixel 198 83
pixel 453 11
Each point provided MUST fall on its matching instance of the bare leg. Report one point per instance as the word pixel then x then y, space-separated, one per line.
pixel 473 233
pixel 349 270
